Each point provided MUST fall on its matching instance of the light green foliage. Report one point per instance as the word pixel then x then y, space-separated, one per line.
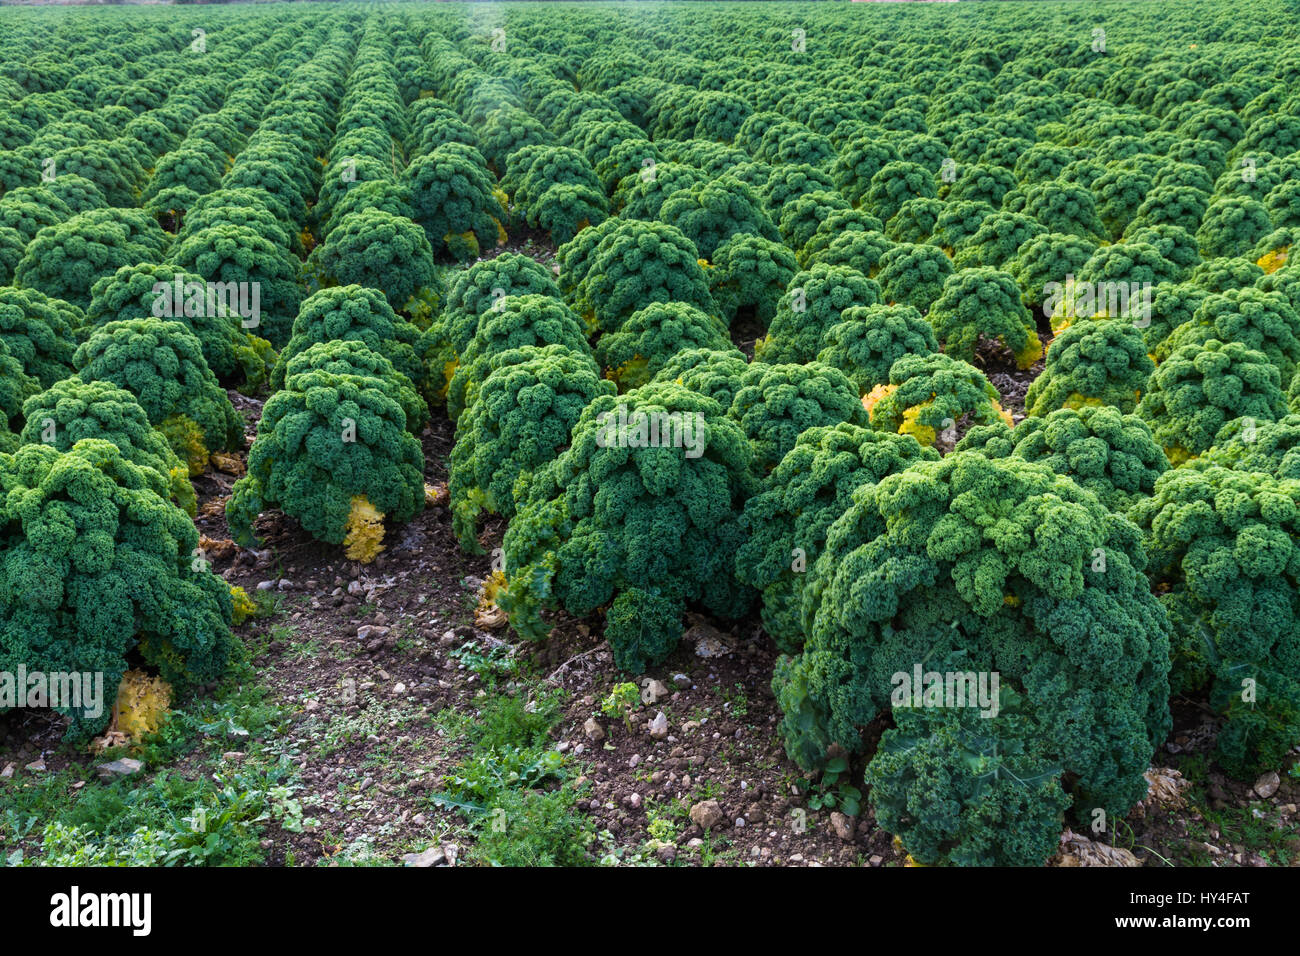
pixel 932 394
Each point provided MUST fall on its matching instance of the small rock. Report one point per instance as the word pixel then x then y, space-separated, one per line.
pixel 232 756
pixel 398 689
pixel 452 851
pixel 843 825
pixel 593 730
pixel 876 859
pixel 355 588
pixel 634 801
pixel 682 682
pixel 666 854
pixel 366 631
pixel 311 706
pixel 707 814
pixel 708 641
pixel 37 765
pixel 265 585
pixel 633 761
pixel 434 856
pixel 285 584
pixel 119 768
pixel 7 772
pixel 740 822
pixel 659 727
pixel 1267 785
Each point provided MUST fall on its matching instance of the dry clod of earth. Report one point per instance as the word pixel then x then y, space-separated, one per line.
pixel 706 814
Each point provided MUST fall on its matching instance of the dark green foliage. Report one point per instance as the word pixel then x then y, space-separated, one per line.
pixel 452 198
pixel 929 395
pixel 775 404
pixel 96 563
pixel 637 263
pixel 377 249
pixel 37 334
pixel 325 439
pixel 961 788
pixel 64 260
pixel 984 303
pixel 161 364
pixel 646 527
pixel 521 420
pixel 1093 362
pixel 71 410
pixel 516 322
pixel 243 255
pixel 1264 321
pixel 985 565
pixel 787 522
pixel 749 273
pixel 813 302
pixel 1113 455
pixel 709 213
pixel 146 290
pixel 1200 387
pixel 868 340
pixel 649 338
pixel 1224 556
pixel 716 374
pixel 353 313
pixel 911 274
pixel 472 293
